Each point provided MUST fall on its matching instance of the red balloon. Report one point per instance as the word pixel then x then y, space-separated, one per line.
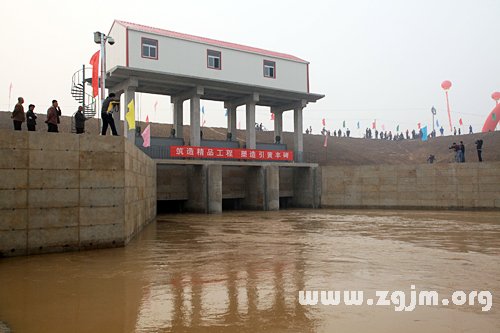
pixel 446 85
pixel 491 122
pixel 496 95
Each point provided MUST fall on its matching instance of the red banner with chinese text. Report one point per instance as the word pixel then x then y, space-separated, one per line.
pixel 231 153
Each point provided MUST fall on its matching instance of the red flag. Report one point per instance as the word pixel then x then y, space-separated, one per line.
pixel 147 119
pixel 324 122
pixel 325 144
pixel 272 116
pixel 146 136
pixel 418 125
pixel 94 61
pixel 374 124
pixel 460 122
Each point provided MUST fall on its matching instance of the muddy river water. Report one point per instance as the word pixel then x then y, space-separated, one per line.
pixel 242 272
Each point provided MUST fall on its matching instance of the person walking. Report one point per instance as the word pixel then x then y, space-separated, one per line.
pixel 80 121
pixel 107 117
pixel 31 118
pixel 479 148
pixel 18 116
pixel 53 117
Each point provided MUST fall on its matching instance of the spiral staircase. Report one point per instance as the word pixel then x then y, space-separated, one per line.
pixel 79 87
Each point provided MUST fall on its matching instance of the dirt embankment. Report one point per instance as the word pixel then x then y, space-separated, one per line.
pixel 340 151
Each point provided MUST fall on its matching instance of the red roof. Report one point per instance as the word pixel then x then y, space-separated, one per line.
pixel 204 40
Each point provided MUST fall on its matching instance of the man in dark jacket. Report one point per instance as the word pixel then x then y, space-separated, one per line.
pixel 80 120
pixel 31 118
pixel 53 114
pixel 107 117
pixel 18 116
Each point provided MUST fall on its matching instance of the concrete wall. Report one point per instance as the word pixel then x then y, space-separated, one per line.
pixel 459 186
pixel 61 192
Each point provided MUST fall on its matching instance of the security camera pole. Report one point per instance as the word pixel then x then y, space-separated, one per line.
pixel 100 38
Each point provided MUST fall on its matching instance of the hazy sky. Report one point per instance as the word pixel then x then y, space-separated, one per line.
pixel 373 59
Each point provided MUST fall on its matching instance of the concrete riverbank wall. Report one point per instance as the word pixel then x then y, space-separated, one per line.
pixel 63 192
pixel 424 186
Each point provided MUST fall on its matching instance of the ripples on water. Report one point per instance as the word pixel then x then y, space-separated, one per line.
pixel 241 272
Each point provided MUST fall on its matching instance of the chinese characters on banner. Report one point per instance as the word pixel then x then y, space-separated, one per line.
pixel 231 153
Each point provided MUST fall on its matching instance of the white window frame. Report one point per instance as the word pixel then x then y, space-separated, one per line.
pixel 150 44
pixel 269 69
pixel 212 57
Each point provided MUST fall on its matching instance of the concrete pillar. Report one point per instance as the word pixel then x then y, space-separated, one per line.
pixel 204 188
pixel 194 115
pixel 298 136
pixel 254 194
pixel 306 187
pixel 231 121
pixel 214 188
pixel 250 120
pixel 272 187
pixel 129 95
pixel 278 124
pixel 178 118
pixel 197 188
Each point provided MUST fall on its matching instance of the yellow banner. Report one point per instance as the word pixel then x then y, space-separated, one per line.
pixel 130 116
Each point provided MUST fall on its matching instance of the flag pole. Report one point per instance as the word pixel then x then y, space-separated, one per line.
pixel 10 94
pixel 449 111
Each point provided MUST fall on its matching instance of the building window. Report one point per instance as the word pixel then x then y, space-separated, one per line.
pixel 149 48
pixel 214 59
pixel 269 69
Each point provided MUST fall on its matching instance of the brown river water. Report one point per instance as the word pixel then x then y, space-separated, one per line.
pixel 242 272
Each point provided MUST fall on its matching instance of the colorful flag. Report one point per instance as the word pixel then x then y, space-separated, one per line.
pixel 94 61
pixel 374 124
pixel 424 133
pixel 358 124
pixel 272 115
pixel 323 121
pixel 146 136
pixel 325 144
pixel 343 124
pixel 460 122
pixel 130 116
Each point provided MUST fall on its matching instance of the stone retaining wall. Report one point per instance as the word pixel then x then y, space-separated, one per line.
pixel 444 186
pixel 62 192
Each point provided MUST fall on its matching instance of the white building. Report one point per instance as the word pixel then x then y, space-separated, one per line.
pixel 157 61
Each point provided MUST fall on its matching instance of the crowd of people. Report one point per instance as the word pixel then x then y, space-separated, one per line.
pixel 54 114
